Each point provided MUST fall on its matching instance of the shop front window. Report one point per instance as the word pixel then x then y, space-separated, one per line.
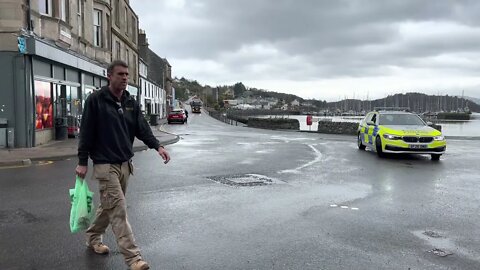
pixel 88 92
pixel 43 105
pixel 75 102
pixel 60 100
pixel 67 102
pixel 148 106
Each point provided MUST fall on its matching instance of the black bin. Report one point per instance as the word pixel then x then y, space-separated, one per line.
pixel 154 119
pixel 61 128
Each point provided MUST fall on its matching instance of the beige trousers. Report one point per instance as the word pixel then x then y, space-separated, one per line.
pixel 112 179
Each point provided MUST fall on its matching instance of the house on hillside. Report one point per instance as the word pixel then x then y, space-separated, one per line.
pixel 265 105
pixel 229 92
pixel 307 104
pixel 228 103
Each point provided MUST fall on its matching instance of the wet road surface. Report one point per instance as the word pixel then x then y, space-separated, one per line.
pixel 241 198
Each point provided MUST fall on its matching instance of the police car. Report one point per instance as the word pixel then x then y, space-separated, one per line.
pixel 387 131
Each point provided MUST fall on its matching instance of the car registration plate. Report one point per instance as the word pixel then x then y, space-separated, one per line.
pixel 418 146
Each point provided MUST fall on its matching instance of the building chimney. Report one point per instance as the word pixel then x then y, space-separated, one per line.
pixel 142 38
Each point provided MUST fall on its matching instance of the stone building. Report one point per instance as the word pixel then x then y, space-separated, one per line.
pixel 53 54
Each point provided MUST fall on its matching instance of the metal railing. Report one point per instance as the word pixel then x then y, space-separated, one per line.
pixel 221 117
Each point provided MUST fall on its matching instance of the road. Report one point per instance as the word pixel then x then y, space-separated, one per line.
pixel 242 198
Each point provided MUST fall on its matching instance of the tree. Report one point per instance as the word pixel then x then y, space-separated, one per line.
pixel 181 94
pixel 211 101
pixel 239 89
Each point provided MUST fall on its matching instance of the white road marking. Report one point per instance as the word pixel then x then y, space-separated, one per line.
pixel 318 158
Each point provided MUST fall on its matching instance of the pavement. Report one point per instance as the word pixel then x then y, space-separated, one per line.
pixel 58 150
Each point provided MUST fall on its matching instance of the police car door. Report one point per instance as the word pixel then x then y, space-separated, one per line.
pixel 364 128
pixel 371 128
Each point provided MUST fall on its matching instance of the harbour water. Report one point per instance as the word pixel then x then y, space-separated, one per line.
pixel 470 128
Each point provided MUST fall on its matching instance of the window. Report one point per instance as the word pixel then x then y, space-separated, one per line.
pixel 134 68
pixel 134 30
pixel 62 10
pixel 117 47
pixel 126 20
pixel 117 12
pixel 97 28
pixel 109 44
pixel 80 17
pixel 67 100
pixel 45 7
pixel 43 105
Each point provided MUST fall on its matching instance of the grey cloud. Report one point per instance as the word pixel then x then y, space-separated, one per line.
pixel 325 38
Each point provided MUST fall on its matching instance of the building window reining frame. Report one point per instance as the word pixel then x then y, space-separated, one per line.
pixel 97 28
pixel 80 18
pixel 63 10
pixel 117 47
pixel 134 30
pixel 45 7
pixel 117 13
pixel 126 21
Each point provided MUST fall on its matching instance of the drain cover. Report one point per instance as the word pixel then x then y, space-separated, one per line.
pixel 439 252
pixel 432 234
pixel 243 180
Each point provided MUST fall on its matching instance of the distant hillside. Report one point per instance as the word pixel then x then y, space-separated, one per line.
pixel 270 94
pixel 183 87
pixel 476 100
pixel 417 102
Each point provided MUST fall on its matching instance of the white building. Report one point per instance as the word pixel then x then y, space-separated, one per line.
pixel 153 99
pixel 295 103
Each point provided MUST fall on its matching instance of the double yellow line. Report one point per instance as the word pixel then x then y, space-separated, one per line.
pixel 39 163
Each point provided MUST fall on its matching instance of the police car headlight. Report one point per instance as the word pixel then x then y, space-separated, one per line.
pixel 439 138
pixel 391 137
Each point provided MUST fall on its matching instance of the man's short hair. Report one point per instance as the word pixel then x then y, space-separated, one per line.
pixel 115 64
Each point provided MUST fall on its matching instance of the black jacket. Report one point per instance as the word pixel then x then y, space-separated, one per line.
pixel 107 130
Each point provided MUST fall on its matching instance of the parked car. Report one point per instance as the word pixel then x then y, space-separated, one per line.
pixel 399 132
pixel 177 116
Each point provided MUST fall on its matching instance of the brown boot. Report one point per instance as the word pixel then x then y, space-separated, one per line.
pixel 139 265
pixel 99 248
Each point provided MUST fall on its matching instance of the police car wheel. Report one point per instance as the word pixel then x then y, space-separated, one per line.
pixel 378 144
pixel 361 146
pixel 436 157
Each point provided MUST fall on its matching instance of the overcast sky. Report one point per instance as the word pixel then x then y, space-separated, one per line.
pixel 323 49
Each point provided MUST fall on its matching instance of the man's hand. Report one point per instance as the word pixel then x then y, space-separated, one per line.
pixel 81 171
pixel 164 154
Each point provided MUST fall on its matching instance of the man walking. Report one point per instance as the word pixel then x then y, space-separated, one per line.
pixel 111 120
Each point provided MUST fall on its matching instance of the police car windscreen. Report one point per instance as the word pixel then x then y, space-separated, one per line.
pixel 401 119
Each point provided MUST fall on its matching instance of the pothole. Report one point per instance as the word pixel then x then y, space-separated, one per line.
pixel 244 180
